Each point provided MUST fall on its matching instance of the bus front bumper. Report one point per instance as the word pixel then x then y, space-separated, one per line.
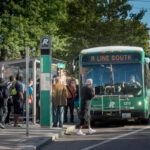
pixel 123 114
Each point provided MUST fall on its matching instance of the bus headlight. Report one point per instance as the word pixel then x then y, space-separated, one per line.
pixel 139 103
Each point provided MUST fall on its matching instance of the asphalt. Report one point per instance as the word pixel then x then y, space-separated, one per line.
pixel 14 138
pixel 107 137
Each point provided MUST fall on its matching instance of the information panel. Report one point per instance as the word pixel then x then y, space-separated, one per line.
pixel 111 58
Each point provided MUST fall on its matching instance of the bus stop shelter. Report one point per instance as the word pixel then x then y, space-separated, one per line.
pixel 12 67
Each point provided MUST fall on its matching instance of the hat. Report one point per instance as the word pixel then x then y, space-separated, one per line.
pixel 1 80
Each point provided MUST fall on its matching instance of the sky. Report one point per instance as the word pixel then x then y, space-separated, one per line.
pixel 138 5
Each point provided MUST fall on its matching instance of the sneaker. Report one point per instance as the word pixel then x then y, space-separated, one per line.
pixel 91 131
pixel 2 126
pixel 79 132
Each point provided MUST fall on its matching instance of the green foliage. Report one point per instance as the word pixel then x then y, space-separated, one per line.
pixel 72 24
pixel 99 23
pixel 23 22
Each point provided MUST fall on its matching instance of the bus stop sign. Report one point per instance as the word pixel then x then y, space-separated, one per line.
pixel 46 82
pixel 45 45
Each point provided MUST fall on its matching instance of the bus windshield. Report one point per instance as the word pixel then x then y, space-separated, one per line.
pixel 114 79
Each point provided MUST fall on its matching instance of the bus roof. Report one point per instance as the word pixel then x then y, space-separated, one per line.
pixel 112 48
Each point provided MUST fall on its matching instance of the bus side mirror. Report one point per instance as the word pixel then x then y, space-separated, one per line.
pixel 72 67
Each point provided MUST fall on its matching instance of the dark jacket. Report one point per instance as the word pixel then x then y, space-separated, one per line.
pixel 86 93
pixel 5 92
pixel 86 97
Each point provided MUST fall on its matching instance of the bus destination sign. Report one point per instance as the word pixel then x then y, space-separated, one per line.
pixel 111 58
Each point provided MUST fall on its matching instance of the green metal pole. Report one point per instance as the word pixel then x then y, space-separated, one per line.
pixel 45 82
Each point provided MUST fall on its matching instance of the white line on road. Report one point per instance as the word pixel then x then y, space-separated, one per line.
pixel 115 138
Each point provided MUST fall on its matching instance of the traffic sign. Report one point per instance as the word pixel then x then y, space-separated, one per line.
pixel 62 66
pixel 45 42
pixel 45 45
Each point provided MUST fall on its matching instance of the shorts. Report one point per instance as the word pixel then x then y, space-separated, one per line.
pixel 17 107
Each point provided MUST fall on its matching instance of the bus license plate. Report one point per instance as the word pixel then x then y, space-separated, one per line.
pixel 126 115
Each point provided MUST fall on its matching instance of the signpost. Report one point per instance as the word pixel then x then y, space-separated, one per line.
pixel 46 81
pixel 27 91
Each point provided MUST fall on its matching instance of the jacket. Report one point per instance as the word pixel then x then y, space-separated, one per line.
pixel 59 95
pixel 5 94
pixel 86 93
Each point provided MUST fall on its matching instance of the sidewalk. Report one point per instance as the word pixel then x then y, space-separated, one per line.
pixel 15 139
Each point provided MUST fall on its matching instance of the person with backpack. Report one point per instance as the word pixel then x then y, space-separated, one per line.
pixel 18 98
pixel 10 85
pixel 3 103
pixel 71 89
pixel 87 93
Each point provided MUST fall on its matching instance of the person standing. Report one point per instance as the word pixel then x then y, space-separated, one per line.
pixel 59 95
pixel 38 100
pixel 76 102
pixel 87 93
pixel 10 101
pixel 3 102
pixel 30 95
pixel 71 89
pixel 18 99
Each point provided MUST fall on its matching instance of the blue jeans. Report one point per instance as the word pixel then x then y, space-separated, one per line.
pixel 58 115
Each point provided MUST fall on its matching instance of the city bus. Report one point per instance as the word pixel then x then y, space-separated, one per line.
pixel 121 79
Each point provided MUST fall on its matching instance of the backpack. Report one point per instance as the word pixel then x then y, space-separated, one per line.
pixel 13 90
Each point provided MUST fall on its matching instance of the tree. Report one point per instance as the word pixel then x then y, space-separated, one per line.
pixel 92 23
pixel 23 22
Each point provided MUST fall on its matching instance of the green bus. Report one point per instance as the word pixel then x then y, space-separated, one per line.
pixel 121 78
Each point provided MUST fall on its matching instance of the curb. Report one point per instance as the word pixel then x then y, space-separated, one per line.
pixel 48 139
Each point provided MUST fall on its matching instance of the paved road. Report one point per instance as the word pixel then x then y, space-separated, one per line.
pixel 114 137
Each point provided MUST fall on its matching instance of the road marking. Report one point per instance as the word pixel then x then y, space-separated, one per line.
pixel 115 138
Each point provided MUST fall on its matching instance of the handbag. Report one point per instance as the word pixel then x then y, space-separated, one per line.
pixel 73 97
